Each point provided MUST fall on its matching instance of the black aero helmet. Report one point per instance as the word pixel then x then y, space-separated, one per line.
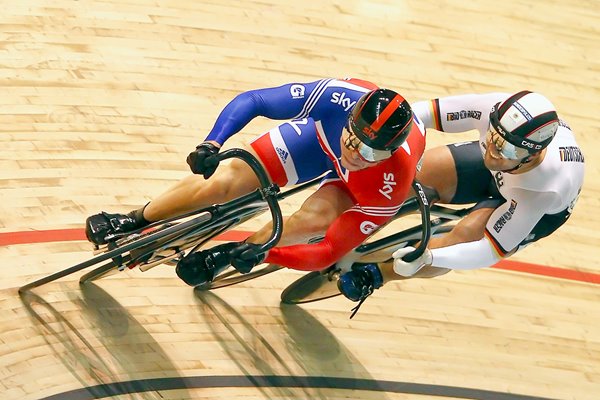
pixel 381 119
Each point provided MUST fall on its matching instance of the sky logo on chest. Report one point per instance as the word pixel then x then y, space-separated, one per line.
pixel 389 184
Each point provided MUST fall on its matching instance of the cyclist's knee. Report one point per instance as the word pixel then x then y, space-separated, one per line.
pixel 469 229
pixel 230 181
pixel 466 232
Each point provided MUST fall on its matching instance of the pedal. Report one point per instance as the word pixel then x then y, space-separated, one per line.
pixel 333 274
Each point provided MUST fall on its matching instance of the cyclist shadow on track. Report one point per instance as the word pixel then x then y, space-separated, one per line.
pixel 283 342
pixel 123 342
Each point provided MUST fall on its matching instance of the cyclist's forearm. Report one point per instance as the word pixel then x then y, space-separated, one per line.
pixel 463 256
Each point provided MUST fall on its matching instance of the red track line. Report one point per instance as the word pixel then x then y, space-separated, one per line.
pixel 67 235
pixel 64 235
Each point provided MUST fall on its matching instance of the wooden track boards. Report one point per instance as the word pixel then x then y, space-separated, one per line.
pixel 102 101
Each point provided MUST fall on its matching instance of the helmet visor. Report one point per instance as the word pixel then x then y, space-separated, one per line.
pixel 507 150
pixel 367 153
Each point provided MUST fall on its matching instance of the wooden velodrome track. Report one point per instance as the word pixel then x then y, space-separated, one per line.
pixel 101 103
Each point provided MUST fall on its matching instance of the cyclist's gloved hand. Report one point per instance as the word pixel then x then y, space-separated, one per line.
pixel 246 256
pixel 408 269
pixel 202 161
pixel 202 267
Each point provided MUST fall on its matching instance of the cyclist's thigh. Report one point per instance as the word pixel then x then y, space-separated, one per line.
pixel 468 229
pixel 329 201
pixel 474 181
pixel 231 180
pixel 458 173
pixel 291 153
pixel 439 172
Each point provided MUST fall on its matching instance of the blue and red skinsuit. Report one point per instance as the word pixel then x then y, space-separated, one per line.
pixel 308 145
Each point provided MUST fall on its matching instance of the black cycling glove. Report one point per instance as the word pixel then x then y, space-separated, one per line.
pixel 246 256
pixel 203 160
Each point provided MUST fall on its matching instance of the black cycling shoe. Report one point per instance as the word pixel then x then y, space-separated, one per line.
pixel 201 267
pixel 99 226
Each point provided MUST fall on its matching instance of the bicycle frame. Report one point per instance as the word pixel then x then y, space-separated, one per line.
pixel 210 219
pixel 320 285
pixel 443 214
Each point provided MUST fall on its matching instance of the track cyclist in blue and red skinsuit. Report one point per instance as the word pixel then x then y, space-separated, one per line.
pixel 366 141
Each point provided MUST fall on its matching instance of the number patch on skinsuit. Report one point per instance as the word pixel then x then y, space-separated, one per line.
pixel 294 124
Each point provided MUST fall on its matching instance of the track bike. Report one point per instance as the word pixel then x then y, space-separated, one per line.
pixel 169 240
pixel 436 220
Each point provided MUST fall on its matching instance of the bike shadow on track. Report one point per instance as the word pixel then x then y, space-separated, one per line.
pixel 98 341
pixel 274 345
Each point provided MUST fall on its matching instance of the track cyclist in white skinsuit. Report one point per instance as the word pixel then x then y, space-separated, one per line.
pixel 525 173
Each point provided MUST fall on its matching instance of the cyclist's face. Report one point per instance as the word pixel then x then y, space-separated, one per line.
pixel 351 158
pixel 494 157
pixel 354 149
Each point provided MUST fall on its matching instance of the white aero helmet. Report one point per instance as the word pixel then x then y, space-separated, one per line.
pixel 526 121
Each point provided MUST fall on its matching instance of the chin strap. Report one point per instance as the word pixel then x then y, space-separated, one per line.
pixel 524 161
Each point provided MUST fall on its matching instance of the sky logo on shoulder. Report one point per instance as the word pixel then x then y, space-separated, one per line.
pixel 342 100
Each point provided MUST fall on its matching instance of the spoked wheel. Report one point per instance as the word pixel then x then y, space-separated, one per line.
pixel 232 277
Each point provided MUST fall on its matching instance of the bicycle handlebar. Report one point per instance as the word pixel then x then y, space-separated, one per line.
pixel 425 221
pixel 267 189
